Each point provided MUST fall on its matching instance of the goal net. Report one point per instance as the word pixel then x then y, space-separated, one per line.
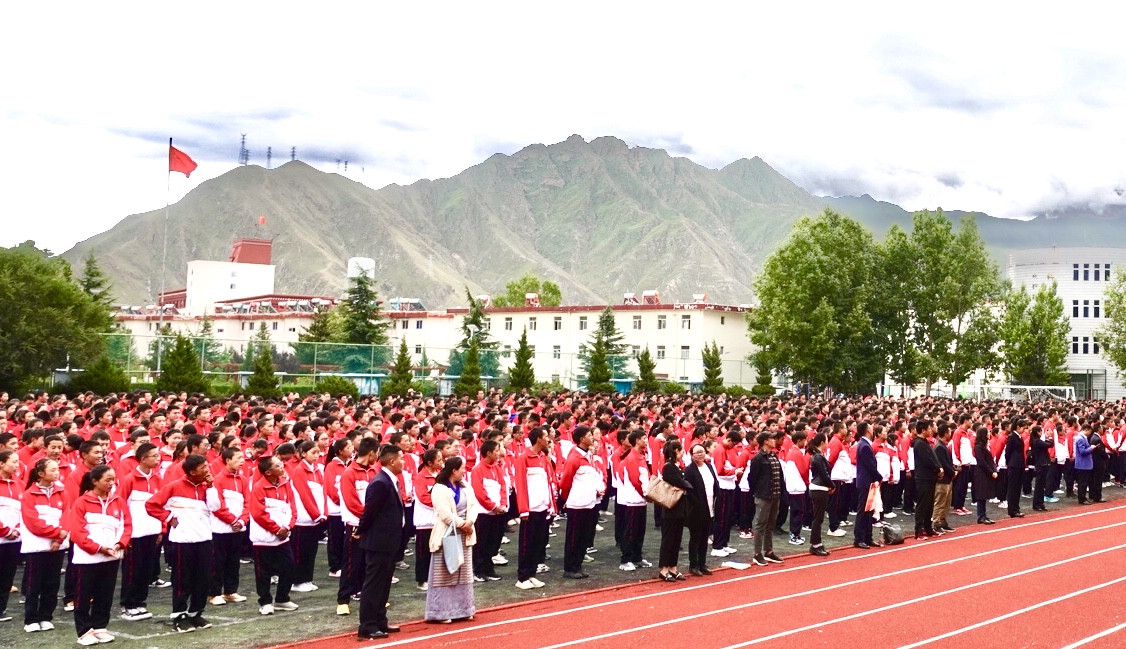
pixel 1033 393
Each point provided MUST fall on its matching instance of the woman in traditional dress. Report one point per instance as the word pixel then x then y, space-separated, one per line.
pixel 449 595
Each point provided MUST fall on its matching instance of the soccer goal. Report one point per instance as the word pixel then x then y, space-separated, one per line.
pixel 1035 393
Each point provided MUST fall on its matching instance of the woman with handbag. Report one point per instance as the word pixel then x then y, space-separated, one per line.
pixel 449 595
pixel 673 521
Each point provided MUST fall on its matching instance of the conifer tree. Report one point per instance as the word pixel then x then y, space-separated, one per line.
pixel 180 371
pixel 262 382
pixel 522 376
pixel 647 378
pixel 470 380
pixel 598 369
pixel 713 370
pixel 401 373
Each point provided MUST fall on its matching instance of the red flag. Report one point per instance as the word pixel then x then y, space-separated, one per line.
pixel 261 220
pixel 179 161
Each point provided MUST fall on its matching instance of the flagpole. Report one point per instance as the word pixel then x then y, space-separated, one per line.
pixel 163 267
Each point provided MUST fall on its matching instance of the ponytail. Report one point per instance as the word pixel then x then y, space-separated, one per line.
pixel 92 476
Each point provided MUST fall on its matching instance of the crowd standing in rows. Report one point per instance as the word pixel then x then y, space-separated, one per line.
pixel 109 484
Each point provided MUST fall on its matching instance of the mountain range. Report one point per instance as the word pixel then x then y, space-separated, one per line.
pixel 599 218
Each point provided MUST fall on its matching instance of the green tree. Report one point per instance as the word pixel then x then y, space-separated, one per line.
pixel 95 284
pixel 598 370
pixel 102 377
pixel 401 373
pixel 336 386
pixel 47 320
pixel 764 382
pixel 180 370
pixel 210 352
pixel 647 378
pixel 326 327
pixel 469 382
pixel 160 346
pixel 891 306
pixel 713 369
pixel 1034 332
pixel 362 323
pixel 1112 334
pixel 516 290
pixel 522 376
pixel 263 382
pixel 607 331
pixel 474 327
pixel 815 293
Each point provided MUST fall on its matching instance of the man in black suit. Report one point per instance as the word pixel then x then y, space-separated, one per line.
pixel 927 473
pixel 1014 460
pixel 380 534
pixel 867 474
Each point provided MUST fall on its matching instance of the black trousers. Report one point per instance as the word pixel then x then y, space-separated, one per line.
pixel 698 543
pixel 1083 489
pixel 671 534
pixel 820 500
pixel 408 531
pixel 9 558
pixel 533 544
pixel 837 507
pixel 191 575
pixel 305 540
pixel 42 571
pixel 93 593
pixel 352 573
pixel 422 555
pixel 1013 490
pixel 580 536
pixel 1097 477
pixel 797 513
pixel 138 570
pixel 862 529
pixel 375 591
pixel 745 503
pixel 69 576
pixel 1039 485
pixel 335 543
pixel 633 532
pixel 269 561
pixel 924 508
pixel 726 503
pixel 961 486
pixel 225 568
pixel 490 529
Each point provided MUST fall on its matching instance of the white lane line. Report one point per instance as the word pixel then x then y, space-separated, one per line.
pixel 757 575
pixel 1024 610
pixel 815 591
pixel 889 607
pixel 1101 634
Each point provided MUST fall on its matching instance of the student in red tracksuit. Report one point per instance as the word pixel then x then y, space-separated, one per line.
pixel 353 486
pixel 11 493
pixel 535 501
pixel 182 506
pixel 100 527
pixel 308 486
pixel 489 489
pixel 272 517
pixel 141 564
pixel 424 514
pixel 229 518
pixel 633 475
pixel 340 454
pixel 43 543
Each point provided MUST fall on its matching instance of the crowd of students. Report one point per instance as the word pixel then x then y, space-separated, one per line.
pixel 108 485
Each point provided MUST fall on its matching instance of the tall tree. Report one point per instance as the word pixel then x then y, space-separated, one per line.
pixel 263 382
pixel 646 375
pixel 401 373
pixel 95 284
pixel 607 331
pixel 713 369
pixel 469 382
pixel 1034 332
pixel 47 320
pixel 598 371
pixel 362 322
pixel 891 306
pixel 209 350
pixel 522 376
pixel 474 327
pixel 815 293
pixel 180 370
pixel 516 290
pixel 1112 334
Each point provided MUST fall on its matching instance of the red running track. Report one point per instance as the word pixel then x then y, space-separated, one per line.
pixel 1034 582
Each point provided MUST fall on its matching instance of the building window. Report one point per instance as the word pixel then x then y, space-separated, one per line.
pixel 292 329
pixel 723 319
pixel 532 348
pixel 275 326
pixel 1096 272
pixel 418 350
pixel 557 323
pixel 582 323
pixel 1086 272
pixel 418 324
pixel 685 322
pixel 1086 309
pixel 556 352
pixel 637 322
pixel 554 378
pixel 1106 272
pixel 531 324
pixel 488 324
pixel 661 322
pixel 506 351
pixel 1075 308
pixel 403 324
pixel 1075 272
pixel 1095 345
pixel 721 350
pixel 508 324
pixel 1075 344
pixel 684 352
pixel 232 287
pixel 636 349
pixel 1086 349
pixel 1097 309
pixel 660 352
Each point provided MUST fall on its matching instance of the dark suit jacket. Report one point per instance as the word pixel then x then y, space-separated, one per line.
pixel 1014 453
pixel 926 462
pixel 945 462
pixel 381 526
pixel 867 471
pixel 698 511
pixel 672 474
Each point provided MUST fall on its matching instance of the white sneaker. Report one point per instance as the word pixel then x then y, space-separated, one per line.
pixel 537 583
pixel 729 550
pixel 542 568
pixel 235 597
pixel 719 553
pixel 525 585
pixel 588 559
pixel 335 574
pixel 217 601
pixel 304 587
pixel 424 586
pixel 598 528
pixel 46 626
pixel 135 614
pixel 394 580
pixel 629 567
pixel 500 561
pixel 286 606
pixel 274 579
pixel 88 639
pixel 266 609
pixel 645 563
pixel 504 540
pixel 32 628
pixel 103 636
pixel 891 515
pixel 746 535
pixel 836 532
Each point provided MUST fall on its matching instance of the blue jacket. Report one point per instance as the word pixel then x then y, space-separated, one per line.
pixel 1083 459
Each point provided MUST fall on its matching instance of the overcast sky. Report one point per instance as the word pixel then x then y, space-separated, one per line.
pixel 1007 108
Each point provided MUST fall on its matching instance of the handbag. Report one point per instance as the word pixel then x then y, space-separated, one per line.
pixel 451 550
pixel 663 493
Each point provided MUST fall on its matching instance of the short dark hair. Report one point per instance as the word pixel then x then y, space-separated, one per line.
pixel 193 462
pixel 387 451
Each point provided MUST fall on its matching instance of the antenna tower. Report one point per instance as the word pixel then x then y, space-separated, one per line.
pixel 292 153
pixel 269 154
pixel 243 154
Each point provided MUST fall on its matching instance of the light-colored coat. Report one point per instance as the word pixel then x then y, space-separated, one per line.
pixel 445 514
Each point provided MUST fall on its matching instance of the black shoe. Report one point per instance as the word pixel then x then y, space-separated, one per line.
pixel 780 531
pixel 1017 515
pixel 492 577
pixel 695 572
pixel 986 521
pixel 667 577
pixel 573 575
pixel 947 528
pixel 819 551
pixel 1086 502
pixel 679 576
pixel 391 629
pixel 862 545
pixel 376 635
pixel 909 512
pixel 772 558
pixel 705 570
pixel 199 622
pixel 182 624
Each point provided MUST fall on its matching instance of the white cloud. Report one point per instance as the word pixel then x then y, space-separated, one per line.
pixel 1004 108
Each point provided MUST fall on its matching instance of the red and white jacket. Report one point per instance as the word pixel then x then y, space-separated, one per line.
pixel 186 502
pixel 271 509
pixel 41 518
pixel 423 504
pixel 308 485
pixel 489 486
pixel 353 486
pixel 582 483
pixel 135 488
pixel 226 501
pixel 11 497
pixel 633 477
pixel 796 470
pixel 533 483
pixel 94 523
pixel 333 472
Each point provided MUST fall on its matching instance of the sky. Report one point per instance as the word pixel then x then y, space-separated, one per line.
pixel 1013 109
